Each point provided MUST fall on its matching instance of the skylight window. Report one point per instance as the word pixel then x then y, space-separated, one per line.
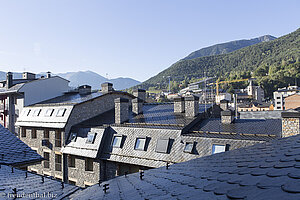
pixel 140 144
pixel 189 146
pixel 36 112
pixel 217 148
pixel 73 137
pixel 162 145
pixel 49 112
pixel 117 141
pixel 61 112
pixel 90 138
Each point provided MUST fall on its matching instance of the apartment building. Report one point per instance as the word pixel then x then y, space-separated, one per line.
pixel 282 93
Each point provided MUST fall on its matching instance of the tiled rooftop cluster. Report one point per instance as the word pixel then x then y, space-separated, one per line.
pixel 13 151
pixel 268 170
pixel 31 186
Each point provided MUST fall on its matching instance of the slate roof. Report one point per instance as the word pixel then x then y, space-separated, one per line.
pixel 13 151
pixel 32 185
pixel 12 89
pixel 269 170
pixel 156 114
pixel 241 126
pixel 71 98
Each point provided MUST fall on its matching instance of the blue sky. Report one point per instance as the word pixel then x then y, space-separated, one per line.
pixel 129 38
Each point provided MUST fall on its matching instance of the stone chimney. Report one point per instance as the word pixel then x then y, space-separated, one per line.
pixel 227 117
pixel 121 110
pixel 179 105
pixel 191 106
pixel 9 80
pixel 224 104
pixel 140 93
pixel 48 75
pixel 290 123
pixel 137 106
pixel 107 87
pixel 84 89
pixel 28 76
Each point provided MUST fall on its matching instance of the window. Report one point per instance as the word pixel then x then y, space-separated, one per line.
pixel 90 138
pixel 57 162
pixel 278 102
pixel 33 133
pixel 162 145
pixel 73 137
pixel 89 164
pixel 57 138
pixel 49 113
pixel 140 144
pixel 218 148
pixel 36 112
pixel 46 134
pixel 61 112
pixel 23 132
pixel 278 97
pixel 47 159
pixel 71 161
pixel 189 146
pixel 278 107
pixel 28 112
pixel 117 141
pixel 241 109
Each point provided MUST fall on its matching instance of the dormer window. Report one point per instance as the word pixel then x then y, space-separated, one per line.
pixel 189 147
pixel 36 112
pixel 162 145
pixel 49 113
pixel 218 148
pixel 73 137
pixel 61 112
pixel 140 144
pixel 117 141
pixel 90 138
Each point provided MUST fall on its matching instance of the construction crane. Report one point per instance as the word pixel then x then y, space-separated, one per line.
pixel 220 82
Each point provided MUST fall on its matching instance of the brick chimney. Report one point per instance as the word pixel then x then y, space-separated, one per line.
pixel 290 123
pixel 107 87
pixel 137 106
pixel 179 105
pixel 9 80
pixel 227 117
pixel 84 89
pixel 121 110
pixel 191 106
pixel 140 93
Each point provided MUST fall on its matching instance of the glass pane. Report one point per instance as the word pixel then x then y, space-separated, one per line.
pixel 117 141
pixel 188 147
pixel 218 148
pixel 140 143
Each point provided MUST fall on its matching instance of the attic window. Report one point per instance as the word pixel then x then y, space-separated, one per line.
pixel 189 146
pixel 73 137
pixel 28 112
pixel 61 112
pixel 140 144
pixel 36 112
pixel 117 141
pixel 162 145
pixel 90 138
pixel 217 148
pixel 49 113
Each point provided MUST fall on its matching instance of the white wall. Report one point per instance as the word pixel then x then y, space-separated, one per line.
pixel 43 89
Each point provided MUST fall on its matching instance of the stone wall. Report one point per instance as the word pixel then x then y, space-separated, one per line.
pixel 290 126
pixel 36 144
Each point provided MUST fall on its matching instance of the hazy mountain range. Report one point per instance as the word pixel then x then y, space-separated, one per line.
pixel 86 78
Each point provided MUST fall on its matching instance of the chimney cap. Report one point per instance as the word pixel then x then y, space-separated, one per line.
pixel 191 98
pixel 137 100
pixel 139 90
pixel 106 83
pixel 84 86
pixel 226 113
pixel 121 100
pixel 178 99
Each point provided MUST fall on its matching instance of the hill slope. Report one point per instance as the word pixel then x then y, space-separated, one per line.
pixel 273 62
pixel 228 47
